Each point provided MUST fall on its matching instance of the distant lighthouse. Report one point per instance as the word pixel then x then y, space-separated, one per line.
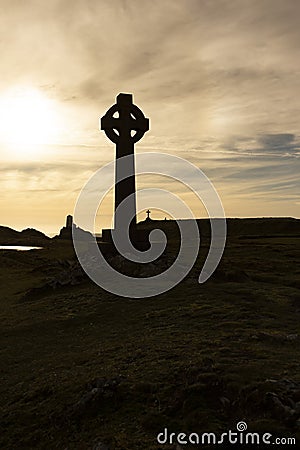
pixel 69 221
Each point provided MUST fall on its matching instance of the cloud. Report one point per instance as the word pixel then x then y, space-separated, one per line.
pixel 190 63
pixel 282 142
pixel 218 79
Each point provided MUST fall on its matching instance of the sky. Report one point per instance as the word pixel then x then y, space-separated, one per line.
pixel 218 79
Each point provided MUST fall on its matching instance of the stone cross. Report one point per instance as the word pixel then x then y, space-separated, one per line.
pixel 148 213
pixel 124 124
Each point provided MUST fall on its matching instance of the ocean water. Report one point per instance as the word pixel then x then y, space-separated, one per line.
pixel 17 247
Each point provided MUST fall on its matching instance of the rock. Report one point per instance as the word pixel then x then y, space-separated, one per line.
pixel 276 399
pixel 292 337
pixel 105 383
pixel 59 274
pixel 100 391
pixel 281 410
pixel 100 446
pixel 89 403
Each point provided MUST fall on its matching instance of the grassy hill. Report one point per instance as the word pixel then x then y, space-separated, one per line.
pixel 269 226
pixel 84 369
pixel 29 236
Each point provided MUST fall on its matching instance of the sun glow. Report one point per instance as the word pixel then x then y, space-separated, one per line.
pixel 28 119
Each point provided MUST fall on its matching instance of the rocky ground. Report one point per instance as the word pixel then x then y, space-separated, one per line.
pixel 84 369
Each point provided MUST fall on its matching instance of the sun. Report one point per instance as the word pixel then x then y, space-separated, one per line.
pixel 28 119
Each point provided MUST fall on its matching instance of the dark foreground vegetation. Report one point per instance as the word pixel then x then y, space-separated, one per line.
pixel 84 369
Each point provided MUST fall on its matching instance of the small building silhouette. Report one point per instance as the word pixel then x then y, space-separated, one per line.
pixel 66 231
pixel 70 227
pixel 69 221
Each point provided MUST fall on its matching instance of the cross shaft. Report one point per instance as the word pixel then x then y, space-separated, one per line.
pixel 118 130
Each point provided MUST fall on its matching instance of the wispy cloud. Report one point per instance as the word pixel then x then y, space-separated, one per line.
pixel 219 79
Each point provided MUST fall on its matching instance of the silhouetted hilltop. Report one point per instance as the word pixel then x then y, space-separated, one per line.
pixel 263 226
pixel 240 227
pixel 65 233
pixel 29 236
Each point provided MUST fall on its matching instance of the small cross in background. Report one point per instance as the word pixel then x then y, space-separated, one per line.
pixel 148 214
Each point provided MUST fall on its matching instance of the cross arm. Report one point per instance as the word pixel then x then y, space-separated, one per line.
pixel 109 122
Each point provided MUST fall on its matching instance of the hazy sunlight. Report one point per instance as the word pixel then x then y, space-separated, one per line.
pixel 28 118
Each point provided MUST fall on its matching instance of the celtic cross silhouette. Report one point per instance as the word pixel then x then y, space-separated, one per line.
pixel 130 118
pixel 124 124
